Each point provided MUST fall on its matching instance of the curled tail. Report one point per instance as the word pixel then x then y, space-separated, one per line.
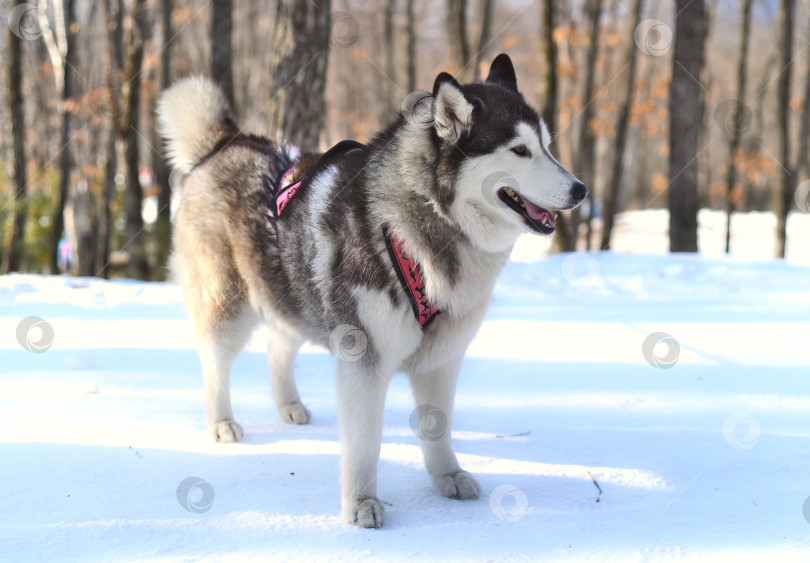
pixel 193 115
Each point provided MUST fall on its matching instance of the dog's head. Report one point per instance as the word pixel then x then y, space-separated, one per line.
pixel 496 176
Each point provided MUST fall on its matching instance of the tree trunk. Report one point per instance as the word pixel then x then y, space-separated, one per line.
pixel 685 123
pixel 113 61
pixel 613 187
pixel 163 226
pixel 133 196
pixel 548 93
pixel 65 160
pixel 585 159
pixel 299 63
pixel 732 190
pixel 390 106
pixel 786 186
pixel 803 164
pixel 457 35
pixel 484 18
pixel 548 62
pixel 221 45
pixel 17 111
pixel 411 45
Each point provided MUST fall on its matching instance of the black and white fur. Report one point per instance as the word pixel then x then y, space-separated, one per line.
pixel 437 177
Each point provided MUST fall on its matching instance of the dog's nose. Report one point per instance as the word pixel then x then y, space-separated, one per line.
pixel 578 192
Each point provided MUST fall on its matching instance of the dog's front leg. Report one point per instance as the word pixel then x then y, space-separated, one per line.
pixel 361 398
pixel 434 392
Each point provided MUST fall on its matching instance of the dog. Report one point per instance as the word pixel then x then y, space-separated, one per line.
pixel 385 253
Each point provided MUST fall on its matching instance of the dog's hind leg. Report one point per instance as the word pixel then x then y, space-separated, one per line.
pixel 281 352
pixel 434 392
pixel 219 345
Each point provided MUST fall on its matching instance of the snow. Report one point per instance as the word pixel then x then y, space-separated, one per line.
pixel 703 458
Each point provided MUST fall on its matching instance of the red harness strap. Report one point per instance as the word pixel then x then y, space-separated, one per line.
pixel 285 191
pixel 410 276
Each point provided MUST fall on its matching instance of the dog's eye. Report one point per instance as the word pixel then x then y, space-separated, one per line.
pixel 521 150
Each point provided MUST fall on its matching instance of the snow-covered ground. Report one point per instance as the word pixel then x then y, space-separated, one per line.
pixel 698 436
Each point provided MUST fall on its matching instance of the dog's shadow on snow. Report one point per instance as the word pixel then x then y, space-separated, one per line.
pixel 527 457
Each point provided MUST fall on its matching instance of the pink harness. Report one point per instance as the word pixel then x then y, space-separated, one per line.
pixel 408 271
pixel 284 195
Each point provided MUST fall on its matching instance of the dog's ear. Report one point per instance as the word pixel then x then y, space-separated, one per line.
pixel 453 111
pixel 502 72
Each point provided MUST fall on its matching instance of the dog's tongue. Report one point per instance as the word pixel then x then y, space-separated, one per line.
pixel 538 213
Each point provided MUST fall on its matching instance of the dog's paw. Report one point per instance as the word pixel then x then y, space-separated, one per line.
pixel 226 431
pixel 295 413
pixel 459 485
pixel 367 513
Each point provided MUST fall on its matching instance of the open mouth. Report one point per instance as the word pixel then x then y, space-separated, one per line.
pixel 538 219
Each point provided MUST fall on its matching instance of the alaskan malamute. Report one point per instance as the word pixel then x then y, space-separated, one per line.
pixel 386 253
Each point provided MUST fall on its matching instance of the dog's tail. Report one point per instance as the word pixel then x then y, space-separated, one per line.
pixel 193 115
